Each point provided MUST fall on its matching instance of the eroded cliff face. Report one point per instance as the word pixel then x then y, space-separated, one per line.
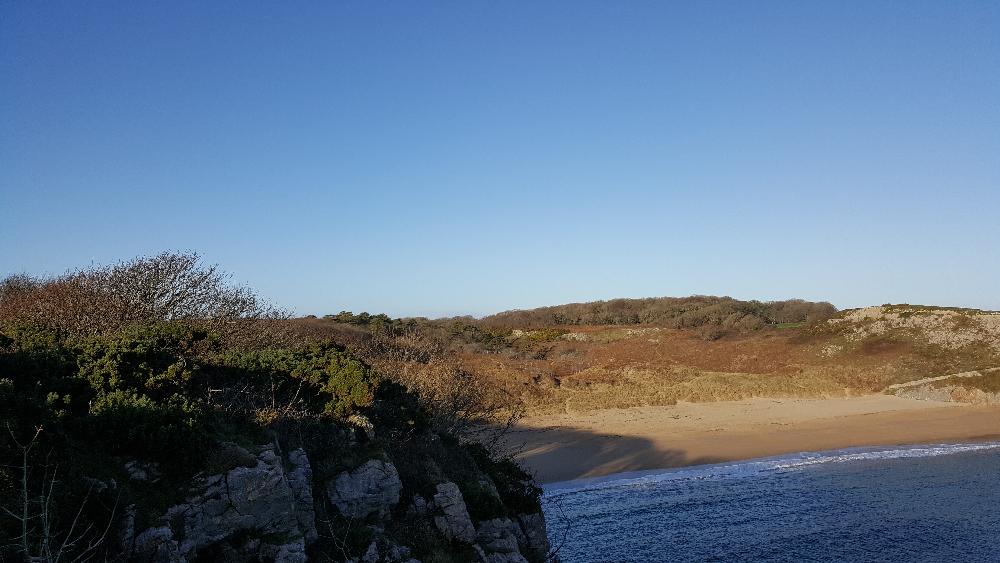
pixel 271 507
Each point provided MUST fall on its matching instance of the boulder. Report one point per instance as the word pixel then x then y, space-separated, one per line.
pixel 374 487
pixel 454 522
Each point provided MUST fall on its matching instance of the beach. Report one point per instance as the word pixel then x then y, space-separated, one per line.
pixel 572 446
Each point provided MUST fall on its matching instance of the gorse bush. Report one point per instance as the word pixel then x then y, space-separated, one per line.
pixel 159 360
pixel 316 378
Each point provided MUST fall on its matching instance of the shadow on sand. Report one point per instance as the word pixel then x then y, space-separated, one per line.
pixel 562 454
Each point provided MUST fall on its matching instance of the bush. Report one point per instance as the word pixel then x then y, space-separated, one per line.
pixel 318 378
pixel 673 312
pixel 170 286
pixel 171 432
pixel 160 360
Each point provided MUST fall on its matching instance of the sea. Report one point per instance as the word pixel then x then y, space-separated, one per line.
pixel 937 503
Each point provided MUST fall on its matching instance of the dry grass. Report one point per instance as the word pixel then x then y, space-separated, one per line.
pixel 643 388
pixel 864 351
pixel 987 380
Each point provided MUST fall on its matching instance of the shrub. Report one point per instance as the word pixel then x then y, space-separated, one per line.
pixel 673 312
pixel 171 432
pixel 171 286
pixel 318 378
pixel 160 360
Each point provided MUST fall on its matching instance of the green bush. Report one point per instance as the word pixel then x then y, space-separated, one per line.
pixel 321 378
pixel 160 360
pixel 171 432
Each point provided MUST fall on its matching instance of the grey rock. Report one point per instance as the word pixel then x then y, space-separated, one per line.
pixel 374 487
pixel 126 529
pixel 397 553
pixel 371 554
pixel 293 552
pixel 505 558
pixel 536 539
pixel 300 479
pixel 499 535
pixel 156 545
pixel 454 523
pixel 258 501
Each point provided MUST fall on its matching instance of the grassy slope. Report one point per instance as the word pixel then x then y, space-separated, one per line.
pixel 859 351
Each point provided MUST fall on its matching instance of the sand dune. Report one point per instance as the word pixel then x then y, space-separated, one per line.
pixel 563 447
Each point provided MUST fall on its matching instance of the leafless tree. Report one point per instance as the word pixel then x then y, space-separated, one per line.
pixel 170 286
pixel 41 539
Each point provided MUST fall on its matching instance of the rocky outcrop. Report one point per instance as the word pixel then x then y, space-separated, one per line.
pixel 501 539
pixel 300 480
pixel 536 538
pixel 246 512
pixel 372 488
pixel 453 522
pixel 964 387
pixel 505 540
pixel 949 394
pixel 265 510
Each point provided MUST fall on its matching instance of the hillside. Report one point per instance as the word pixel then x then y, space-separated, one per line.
pixel 569 367
pixel 723 313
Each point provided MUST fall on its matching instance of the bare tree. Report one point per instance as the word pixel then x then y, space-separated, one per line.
pixel 42 539
pixel 171 286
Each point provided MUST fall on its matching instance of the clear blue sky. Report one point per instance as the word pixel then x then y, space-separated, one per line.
pixel 468 157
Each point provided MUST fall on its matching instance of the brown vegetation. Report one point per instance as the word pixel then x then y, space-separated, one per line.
pixel 570 367
pixel 168 287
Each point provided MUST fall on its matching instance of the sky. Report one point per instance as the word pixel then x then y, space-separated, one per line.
pixel 468 157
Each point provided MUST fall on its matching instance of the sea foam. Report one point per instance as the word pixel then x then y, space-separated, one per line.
pixel 763 466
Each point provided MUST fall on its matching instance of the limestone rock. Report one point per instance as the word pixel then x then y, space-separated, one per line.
pixel 300 479
pixel 536 539
pixel 505 558
pixel 398 553
pixel 256 501
pixel 374 487
pixel 371 555
pixel 499 535
pixel 157 545
pixel 455 523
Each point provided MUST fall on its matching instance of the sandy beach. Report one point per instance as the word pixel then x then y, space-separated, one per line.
pixel 564 447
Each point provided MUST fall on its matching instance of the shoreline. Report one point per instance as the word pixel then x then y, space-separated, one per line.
pixel 557 448
pixel 790 458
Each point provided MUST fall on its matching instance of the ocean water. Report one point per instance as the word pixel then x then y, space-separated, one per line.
pixel 916 503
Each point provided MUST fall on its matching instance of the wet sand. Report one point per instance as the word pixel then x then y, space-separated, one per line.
pixel 564 447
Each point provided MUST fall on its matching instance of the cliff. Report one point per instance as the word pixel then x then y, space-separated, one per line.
pixel 164 444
